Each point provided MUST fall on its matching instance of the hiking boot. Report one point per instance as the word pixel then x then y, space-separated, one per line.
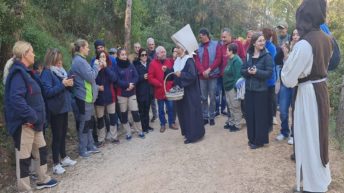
pixel 162 128
pixel 233 128
pixel 212 122
pixel 227 126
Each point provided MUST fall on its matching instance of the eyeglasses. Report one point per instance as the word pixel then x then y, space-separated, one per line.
pixel 143 55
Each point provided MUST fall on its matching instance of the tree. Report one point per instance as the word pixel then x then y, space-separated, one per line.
pixel 127 25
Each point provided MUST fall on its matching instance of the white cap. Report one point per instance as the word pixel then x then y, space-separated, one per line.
pixel 186 39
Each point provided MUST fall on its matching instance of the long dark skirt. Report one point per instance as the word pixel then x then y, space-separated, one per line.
pixel 257 117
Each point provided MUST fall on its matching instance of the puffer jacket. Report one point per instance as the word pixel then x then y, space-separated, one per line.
pixel 258 81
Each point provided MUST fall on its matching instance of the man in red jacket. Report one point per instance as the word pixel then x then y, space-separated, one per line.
pixel 156 78
pixel 208 62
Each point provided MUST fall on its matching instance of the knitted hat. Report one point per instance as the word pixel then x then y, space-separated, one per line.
pixel 99 43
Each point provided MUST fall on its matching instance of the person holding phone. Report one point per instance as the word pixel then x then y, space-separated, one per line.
pixel 56 85
pixel 106 100
pixel 85 91
pixel 257 70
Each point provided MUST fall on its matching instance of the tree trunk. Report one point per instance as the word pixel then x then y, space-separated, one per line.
pixel 127 25
pixel 340 115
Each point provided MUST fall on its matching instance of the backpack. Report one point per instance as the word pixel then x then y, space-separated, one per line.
pixel 335 58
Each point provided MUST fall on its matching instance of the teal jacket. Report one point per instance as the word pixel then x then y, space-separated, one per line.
pixel 232 72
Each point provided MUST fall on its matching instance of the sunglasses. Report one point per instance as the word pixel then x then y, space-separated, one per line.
pixel 143 55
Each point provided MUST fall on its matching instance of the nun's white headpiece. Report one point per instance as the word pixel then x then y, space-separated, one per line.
pixel 186 39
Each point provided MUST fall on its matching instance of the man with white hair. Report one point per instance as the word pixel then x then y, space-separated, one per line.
pixel 151 48
pixel 151 56
pixel 156 78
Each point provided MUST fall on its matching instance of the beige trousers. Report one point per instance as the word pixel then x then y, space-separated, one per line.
pixel 130 104
pixel 234 109
pixel 111 109
pixel 31 143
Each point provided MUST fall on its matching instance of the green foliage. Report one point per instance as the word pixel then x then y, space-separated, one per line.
pixel 41 41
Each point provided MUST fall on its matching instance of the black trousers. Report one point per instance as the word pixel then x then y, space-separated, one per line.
pixel 59 125
pixel 257 117
pixel 272 105
pixel 144 114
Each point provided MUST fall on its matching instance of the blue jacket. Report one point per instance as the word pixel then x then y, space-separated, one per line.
pixel 52 87
pixel 107 78
pixel 126 73
pixel 23 99
pixel 272 50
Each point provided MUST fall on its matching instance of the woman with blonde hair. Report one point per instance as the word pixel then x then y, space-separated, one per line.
pixel 56 85
pixel 25 118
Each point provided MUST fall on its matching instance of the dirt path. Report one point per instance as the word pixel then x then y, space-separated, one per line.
pixel 221 162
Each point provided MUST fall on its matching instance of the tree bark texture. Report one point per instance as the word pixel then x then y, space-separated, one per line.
pixel 127 25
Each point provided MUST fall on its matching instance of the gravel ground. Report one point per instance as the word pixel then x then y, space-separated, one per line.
pixel 221 162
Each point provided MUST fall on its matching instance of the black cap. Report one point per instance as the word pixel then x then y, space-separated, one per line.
pixel 204 31
pixel 99 43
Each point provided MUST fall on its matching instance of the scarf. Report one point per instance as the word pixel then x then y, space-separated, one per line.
pixel 59 71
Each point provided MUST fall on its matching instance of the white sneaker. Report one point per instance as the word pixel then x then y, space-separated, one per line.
pixel 58 169
pixel 275 122
pixel 291 141
pixel 68 162
pixel 280 137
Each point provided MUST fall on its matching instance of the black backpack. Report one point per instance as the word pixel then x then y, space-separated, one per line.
pixel 335 58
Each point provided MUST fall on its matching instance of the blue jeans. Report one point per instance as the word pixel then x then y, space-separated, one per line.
pixel 170 112
pixel 220 96
pixel 285 98
pixel 208 89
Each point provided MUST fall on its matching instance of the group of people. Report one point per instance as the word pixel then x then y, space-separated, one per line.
pixel 239 75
